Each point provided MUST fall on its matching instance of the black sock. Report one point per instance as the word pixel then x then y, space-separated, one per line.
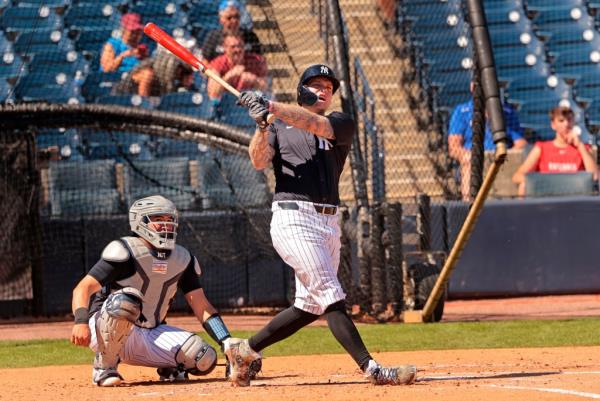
pixel 344 330
pixel 286 323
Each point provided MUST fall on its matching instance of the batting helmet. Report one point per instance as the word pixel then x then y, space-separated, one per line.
pixel 140 214
pixel 316 70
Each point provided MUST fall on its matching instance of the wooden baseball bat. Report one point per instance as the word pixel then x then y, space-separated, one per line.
pixel 167 41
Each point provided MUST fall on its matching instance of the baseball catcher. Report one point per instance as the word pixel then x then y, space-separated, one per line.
pixel 121 304
pixel 308 149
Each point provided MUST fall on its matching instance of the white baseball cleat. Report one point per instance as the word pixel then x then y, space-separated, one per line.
pixel 243 361
pixel 403 374
pixel 106 377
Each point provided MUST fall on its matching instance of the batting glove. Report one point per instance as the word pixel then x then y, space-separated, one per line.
pixel 248 97
pixel 258 111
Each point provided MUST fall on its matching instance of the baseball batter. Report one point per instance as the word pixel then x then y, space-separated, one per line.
pixel 308 149
pixel 121 304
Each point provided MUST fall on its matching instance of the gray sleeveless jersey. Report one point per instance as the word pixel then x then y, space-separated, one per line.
pixel 155 278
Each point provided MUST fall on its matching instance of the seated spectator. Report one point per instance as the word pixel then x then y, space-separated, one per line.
pixel 387 13
pixel 242 70
pixel 564 154
pixel 126 53
pixel 460 139
pixel 229 17
pixel 170 74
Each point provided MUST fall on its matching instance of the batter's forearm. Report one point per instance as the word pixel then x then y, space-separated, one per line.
pixel 261 152
pixel 303 119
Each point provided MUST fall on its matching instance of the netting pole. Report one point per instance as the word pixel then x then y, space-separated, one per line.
pixel 340 52
pixel 485 61
pixel 378 274
pixel 392 243
pixel 424 222
pixel 478 129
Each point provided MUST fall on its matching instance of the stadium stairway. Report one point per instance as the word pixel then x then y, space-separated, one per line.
pixel 410 168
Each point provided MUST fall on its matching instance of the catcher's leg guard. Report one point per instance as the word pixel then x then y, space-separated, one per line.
pixel 120 310
pixel 196 357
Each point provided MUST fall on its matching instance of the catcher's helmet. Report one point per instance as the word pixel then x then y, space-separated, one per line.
pixel 140 214
pixel 316 70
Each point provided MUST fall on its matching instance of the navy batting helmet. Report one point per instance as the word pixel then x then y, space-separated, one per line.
pixel 316 70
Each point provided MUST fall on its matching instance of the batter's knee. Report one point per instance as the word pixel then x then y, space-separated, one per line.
pixel 125 304
pixel 196 356
pixel 337 306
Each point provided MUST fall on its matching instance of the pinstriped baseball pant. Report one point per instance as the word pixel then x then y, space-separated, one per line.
pixel 310 243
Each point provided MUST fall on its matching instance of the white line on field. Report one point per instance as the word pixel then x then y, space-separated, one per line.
pixel 550 390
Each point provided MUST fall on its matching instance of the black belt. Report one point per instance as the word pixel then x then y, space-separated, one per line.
pixel 329 210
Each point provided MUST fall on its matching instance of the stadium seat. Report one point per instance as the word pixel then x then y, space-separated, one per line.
pixel 5 90
pixel 92 16
pixel 168 176
pixel 53 86
pixel 212 182
pixel 193 103
pixel 166 147
pixel 554 19
pixel 83 187
pixel 232 114
pixel 126 100
pixel 574 64
pixel 11 66
pixel 66 141
pixel 250 186
pixel 93 40
pixel 538 184
pixel 47 3
pixel 99 84
pixel 530 88
pixel 29 19
pixel 30 43
pixel 71 63
pixel 5 44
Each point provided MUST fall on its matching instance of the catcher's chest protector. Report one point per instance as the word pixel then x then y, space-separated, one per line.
pixel 155 278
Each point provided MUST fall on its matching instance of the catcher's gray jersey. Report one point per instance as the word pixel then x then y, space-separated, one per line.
pixel 128 262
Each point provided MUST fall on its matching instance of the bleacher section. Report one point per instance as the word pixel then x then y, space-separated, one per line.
pixel 546 53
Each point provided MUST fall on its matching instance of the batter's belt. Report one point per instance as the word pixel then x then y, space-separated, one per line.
pixel 329 210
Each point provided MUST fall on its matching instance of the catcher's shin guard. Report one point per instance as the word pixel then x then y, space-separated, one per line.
pixel 120 310
pixel 243 360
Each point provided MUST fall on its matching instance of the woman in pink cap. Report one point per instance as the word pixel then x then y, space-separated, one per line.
pixel 125 53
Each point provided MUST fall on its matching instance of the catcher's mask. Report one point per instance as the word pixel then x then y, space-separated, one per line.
pixel 162 213
pixel 315 70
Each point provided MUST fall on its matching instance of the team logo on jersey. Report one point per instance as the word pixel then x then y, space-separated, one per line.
pixel 159 266
pixel 324 70
pixel 324 144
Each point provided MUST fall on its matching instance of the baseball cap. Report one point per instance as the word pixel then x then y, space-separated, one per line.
pixel 132 22
pixel 224 4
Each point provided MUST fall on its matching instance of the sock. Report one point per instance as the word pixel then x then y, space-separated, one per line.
pixel 345 332
pixel 286 323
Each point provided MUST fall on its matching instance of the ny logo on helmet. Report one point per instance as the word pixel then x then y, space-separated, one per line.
pixel 324 70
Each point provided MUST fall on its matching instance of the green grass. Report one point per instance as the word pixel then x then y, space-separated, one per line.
pixel 378 338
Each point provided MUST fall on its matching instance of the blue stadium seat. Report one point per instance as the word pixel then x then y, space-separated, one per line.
pixel 217 193
pixel 553 19
pixel 166 147
pixel 99 84
pixel 538 184
pixel 54 86
pixel 573 64
pixel 536 4
pixel 93 40
pixel 250 186
pixel 83 188
pixel 11 66
pixel 67 142
pixel 5 44
pixel 71 63
pixel 40 3
pixel 167 15
pixel 5 90
pixel 232 114
pixel 169 177
pixel 92 16
pixel 28 43
pixel 28 19
pixel 126 100
pixel 587 87
pixel 193 103
pixel 100 3
pixel 527 89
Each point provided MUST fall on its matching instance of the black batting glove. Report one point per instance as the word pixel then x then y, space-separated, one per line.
pixel 258 111
pixel 248 97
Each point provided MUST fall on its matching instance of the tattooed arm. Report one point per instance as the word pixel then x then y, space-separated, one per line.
pixel 303 119
pixel 261 152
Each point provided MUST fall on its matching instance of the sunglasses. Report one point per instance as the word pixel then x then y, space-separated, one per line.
pixel 234 16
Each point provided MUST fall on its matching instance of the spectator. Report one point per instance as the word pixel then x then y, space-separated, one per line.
pixel 169 74
pixel 460 139
pixel 126 53
pixel 229 17
pixel 564 154
pixel 242 70
pixel 387 12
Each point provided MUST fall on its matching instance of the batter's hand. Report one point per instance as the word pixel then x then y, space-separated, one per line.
pixel 248 97
pixel 81 334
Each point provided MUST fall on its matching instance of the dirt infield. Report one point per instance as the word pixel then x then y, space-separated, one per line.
pixel 458 375
pixel 523 374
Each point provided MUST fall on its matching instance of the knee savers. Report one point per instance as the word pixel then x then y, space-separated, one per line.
pixel 196 356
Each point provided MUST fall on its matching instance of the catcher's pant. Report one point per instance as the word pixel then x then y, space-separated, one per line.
pixel 309 242
pixel 148 347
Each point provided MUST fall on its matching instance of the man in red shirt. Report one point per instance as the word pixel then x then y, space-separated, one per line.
pixel 564 154
pixel 242 70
